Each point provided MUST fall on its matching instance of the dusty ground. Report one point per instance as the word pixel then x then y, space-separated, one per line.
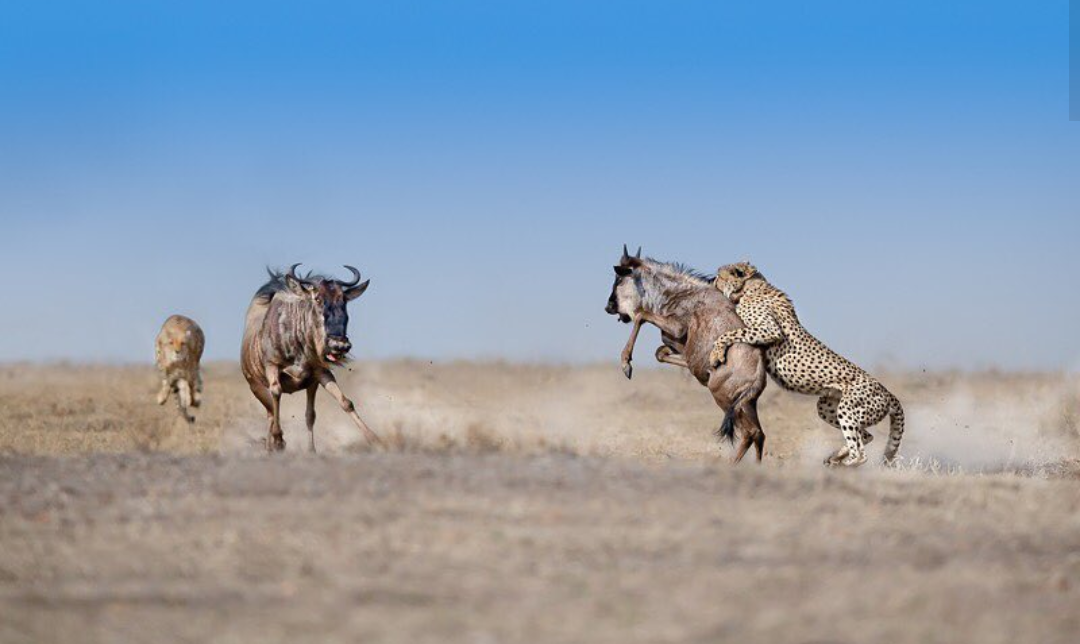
pixel 525 503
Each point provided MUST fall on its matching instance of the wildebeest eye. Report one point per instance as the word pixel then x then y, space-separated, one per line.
pixel 623 271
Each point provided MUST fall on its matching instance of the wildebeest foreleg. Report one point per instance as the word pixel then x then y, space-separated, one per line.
pixel 326 379
pixel 667 355
pixel 276 439
pixel 628 350
pixel 310 416
pixel 163 394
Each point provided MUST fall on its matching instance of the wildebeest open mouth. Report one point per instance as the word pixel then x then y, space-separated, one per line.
pixel 336 357
pixel 624 318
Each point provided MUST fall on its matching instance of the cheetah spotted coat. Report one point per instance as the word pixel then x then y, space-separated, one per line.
pixel 850 399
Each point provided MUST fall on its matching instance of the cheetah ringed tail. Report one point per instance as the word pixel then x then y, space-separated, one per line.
pixel 896 430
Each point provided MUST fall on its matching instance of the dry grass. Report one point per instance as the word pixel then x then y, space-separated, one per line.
pixel 531 503
pixel 1028 423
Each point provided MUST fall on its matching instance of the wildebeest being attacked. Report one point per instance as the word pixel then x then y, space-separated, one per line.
pixel 295 332
pixel 177 351
pixel 691 315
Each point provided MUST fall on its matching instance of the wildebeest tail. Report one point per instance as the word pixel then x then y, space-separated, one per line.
pixel 727 428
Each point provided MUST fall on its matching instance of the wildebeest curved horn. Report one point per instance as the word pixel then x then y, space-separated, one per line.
pixel 625 252
pixel 638 256
pixel 292 274
pixel 355 280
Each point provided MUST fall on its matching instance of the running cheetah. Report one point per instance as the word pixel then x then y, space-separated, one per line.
pixel 178 349
pixel 851 399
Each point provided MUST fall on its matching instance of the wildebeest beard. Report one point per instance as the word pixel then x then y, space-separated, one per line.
pixel 335 322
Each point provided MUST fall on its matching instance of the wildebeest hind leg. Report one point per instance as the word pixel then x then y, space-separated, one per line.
pixel 752 424
pixel 746 420
pixel 744 445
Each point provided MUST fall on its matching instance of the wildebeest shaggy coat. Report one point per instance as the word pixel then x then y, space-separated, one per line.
pixel 296 331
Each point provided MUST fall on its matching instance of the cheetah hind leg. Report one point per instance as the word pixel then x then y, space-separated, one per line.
pixel 850 455
pixel 836 457
pixel 826 409
pixel 856 411
pixel 839 456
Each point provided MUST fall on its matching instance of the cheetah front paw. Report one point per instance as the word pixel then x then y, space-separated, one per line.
pixel 718 356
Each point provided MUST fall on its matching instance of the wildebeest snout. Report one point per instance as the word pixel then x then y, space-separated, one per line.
pixel 338 345
pixel 612 308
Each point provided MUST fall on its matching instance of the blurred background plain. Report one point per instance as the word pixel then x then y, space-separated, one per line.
pixel 906 171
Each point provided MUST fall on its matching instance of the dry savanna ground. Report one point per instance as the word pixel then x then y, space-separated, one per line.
pixel 531 503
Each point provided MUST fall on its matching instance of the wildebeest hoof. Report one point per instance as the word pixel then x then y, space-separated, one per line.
pixel 628 370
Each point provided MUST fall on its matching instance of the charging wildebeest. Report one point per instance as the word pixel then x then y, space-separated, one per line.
pixel 691 315
pixel 177 351
pixel 296 330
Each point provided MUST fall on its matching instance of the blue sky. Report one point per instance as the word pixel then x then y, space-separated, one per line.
pixel 907 171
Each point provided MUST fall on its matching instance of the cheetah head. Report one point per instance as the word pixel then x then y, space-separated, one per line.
pixel 731 278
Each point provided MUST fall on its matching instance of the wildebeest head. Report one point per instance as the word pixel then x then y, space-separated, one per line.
pixel 625 297
pixel 328 297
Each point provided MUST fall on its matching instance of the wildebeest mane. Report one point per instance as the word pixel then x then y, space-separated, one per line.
pixel 276 283
pixel 679 268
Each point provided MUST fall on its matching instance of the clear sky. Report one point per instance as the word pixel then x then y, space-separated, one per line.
pixel 907 171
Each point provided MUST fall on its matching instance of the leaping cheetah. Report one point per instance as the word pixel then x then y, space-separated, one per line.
pixel 851 399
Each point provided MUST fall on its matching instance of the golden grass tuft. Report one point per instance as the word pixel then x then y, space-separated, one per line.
pixel 957 423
